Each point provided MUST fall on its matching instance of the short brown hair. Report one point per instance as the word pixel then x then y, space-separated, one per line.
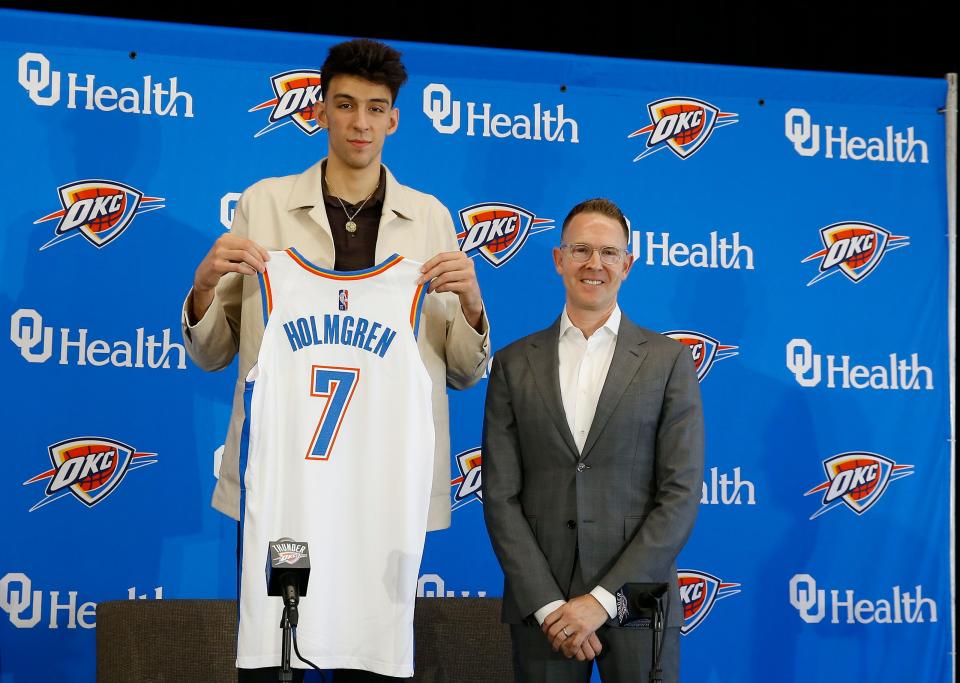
pixel 368 59
pixel 600 205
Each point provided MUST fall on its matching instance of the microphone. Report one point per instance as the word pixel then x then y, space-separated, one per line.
pixel 639 604
pixel 288 571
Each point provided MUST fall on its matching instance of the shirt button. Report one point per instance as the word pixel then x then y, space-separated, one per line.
pixel 571 524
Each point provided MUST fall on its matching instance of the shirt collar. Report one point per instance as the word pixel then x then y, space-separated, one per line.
pixel 398 200
pixel 612 325
pixel 374 200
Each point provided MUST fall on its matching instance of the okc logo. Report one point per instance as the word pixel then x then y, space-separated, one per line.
pixel 705 350
pixel 857 480
pixel 468 483
pixel 100 210
pixel 289 552
pixel 699 591
pixel 497 231
pixel 854 249
pixel 296 94
pixel 89 467
pixel 682 125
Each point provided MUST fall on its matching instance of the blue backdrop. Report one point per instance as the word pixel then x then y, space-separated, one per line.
pixel 790 227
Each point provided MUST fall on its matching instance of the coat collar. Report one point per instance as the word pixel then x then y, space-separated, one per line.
pixel 544 360
pixel 627 357
pixel 542 355
pixel 307 193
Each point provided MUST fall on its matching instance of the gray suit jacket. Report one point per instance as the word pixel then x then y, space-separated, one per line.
pixel 626 504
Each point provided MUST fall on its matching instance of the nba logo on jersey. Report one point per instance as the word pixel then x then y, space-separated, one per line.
pixel 343 299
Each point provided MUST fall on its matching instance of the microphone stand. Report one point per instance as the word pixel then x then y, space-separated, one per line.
pixel 641 605
pixel 656 673
pixel 291 615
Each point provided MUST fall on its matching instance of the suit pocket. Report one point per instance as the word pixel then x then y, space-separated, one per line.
pixel 630 526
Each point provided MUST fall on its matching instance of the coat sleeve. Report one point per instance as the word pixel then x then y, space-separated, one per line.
pixel 215 339
pixel 514 542
pixel 466 350
pixel 679 477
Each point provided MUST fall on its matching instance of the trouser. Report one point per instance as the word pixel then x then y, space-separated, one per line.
pixel 625 656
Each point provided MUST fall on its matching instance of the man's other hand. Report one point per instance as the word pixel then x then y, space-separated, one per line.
pixel 229 254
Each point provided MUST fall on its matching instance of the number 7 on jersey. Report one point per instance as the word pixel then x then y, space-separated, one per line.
pixel 336 385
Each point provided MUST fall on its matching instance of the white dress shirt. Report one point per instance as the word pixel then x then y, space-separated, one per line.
pixel 584 363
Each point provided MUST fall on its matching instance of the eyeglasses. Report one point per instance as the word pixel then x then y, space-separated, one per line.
pixel 581 253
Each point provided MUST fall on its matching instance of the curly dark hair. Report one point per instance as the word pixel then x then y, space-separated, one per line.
pixel 370 60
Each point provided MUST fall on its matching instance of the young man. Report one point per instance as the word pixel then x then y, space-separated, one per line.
pixel 592 468
pixel 346 212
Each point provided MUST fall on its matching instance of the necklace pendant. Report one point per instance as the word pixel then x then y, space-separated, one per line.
pixel 351 227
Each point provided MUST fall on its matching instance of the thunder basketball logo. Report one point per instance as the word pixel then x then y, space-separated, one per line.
pixel 682 125
pixel 295 95
pixel 705 350
pixel 286 551
pixel 699 592
pixel 857 479
pixel 496 231
pixel 853 248
pixel 100 210
pixel 468 483
pixel 89 467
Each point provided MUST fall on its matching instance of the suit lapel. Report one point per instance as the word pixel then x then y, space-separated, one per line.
pixel 627 358
pixel 544 362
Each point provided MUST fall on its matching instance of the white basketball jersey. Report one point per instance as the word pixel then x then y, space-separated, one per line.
pixel 337 451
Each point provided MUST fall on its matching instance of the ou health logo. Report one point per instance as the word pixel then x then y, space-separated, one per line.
pixel 681 124
pixel 24 605
pixel 857 479
pixel 89 467
pixel 853 248
pixel 699 591
pixel 148 98
pixel 39 78
pixel 100 210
